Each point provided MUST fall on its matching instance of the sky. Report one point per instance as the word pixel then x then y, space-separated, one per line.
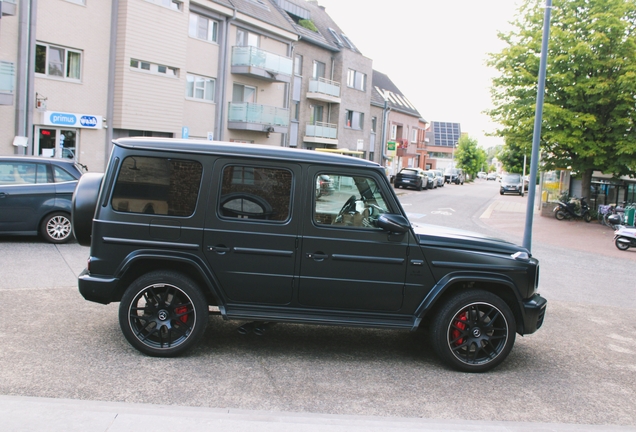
pixel 434 51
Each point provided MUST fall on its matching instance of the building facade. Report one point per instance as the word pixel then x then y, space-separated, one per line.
pixel 277 72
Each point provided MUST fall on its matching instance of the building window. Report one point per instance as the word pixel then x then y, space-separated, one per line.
pixel 393 132
pixel 316 114
pixel 58 62
pixel 170 4
pixel 245 38
pixel 243 93
pixel 354 119
pixel 357 80
pixel 154 68
pixel 346 39
pixel 298 65
pixel 414 136
pixel 200 88
pixel 335 36
pixel 203 28
pixel 319 70
pixel 374 124
pixel 296 110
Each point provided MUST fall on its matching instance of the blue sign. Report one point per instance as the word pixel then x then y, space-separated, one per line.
pixel 63 119
pixel 185 132
pixel 88 121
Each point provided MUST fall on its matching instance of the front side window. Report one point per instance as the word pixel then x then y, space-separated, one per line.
pixel 343 200
pixel 200 87
pixel 150 185
pixel 58 62
pixel 203 28
pixel 255 193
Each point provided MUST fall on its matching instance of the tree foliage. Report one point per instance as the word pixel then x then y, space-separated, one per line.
pixel 590 98
pixel 469 156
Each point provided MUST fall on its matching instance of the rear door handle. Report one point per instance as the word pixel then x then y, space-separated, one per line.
pixel 317 256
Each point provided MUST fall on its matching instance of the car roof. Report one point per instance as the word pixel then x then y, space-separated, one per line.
pixel 41 159
pixel 237 149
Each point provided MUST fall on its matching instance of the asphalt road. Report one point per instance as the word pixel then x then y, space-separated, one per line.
pixel 579 368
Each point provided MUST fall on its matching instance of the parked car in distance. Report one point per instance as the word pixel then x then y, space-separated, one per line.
pixel 440 177
pixel 411 178
pixel 432 179
pixel 324 186
pixel 511 183
pixel 180 229
pixel 454 175
pixel 35 196
pixel 492 176
pixel 481 175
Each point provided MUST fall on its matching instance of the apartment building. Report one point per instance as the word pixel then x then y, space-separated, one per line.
pixel 277 72
pixel 401 129
pixel 330 92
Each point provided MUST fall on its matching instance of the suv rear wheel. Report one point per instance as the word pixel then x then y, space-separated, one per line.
pixel 163 314
pixel 474 331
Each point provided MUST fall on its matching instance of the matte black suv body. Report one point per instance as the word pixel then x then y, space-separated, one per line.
pixel 180 226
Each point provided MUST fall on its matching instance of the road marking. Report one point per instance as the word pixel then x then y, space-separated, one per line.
pixel 445 213
pixel 488 212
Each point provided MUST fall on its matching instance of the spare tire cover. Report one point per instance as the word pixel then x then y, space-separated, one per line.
pixel 84 205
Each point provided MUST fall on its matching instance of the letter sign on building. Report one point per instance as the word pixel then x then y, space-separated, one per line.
pixel 87 121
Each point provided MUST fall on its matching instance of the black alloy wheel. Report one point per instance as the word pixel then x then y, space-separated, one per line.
pixel 163 314
pixel 474 331
pixel 56 228
pixel 560 215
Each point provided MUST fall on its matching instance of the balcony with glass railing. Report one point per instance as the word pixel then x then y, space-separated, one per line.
pixel 8 7
pixel 324 90
pixel 261 64
pixel 321 133
pixel 256 117
pixel 7 82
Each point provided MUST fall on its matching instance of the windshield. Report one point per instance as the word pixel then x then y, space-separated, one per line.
pixel 451 170
pixel 512 178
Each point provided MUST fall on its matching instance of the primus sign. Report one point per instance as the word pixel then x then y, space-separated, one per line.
pixel 54 118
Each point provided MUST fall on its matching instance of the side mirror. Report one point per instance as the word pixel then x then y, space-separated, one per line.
pixel 393 223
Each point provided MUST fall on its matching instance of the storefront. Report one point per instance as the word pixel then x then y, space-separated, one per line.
pixel 58 134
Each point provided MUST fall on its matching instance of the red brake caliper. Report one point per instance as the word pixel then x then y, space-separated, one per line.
pixel 460 324
pixel 179 311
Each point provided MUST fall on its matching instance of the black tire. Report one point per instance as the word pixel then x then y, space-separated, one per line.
pixel 621 246
pixel 163 314
pixel 83 206
pixel 419 187
pixel 474 331
pixel 500 192
pixel 587 217
pixel 56 227
pixel 560 215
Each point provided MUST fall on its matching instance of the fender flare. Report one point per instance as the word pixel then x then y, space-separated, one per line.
pixel 211 285
pixel 442 286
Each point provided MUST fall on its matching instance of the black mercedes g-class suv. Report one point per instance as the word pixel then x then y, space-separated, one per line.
pixel 180 229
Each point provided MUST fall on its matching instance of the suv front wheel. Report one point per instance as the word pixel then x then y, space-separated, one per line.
pixel 163 314
pixel 474 331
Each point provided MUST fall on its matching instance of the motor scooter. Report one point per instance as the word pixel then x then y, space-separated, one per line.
pixel 569 210
pixel 625 237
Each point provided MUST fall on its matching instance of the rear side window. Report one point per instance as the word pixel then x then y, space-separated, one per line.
pixel 61 175
pixel 17 173
pixel 160 186
pixel 249 192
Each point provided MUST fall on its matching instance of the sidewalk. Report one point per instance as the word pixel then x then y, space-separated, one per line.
pixel 46 415
pixel 508 214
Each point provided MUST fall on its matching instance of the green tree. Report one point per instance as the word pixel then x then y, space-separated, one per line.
pixel 590 104
pixel 469 156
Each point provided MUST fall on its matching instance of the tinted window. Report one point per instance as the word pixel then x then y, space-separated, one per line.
pixel 353 201
pixel 157 186
pixel 255 193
